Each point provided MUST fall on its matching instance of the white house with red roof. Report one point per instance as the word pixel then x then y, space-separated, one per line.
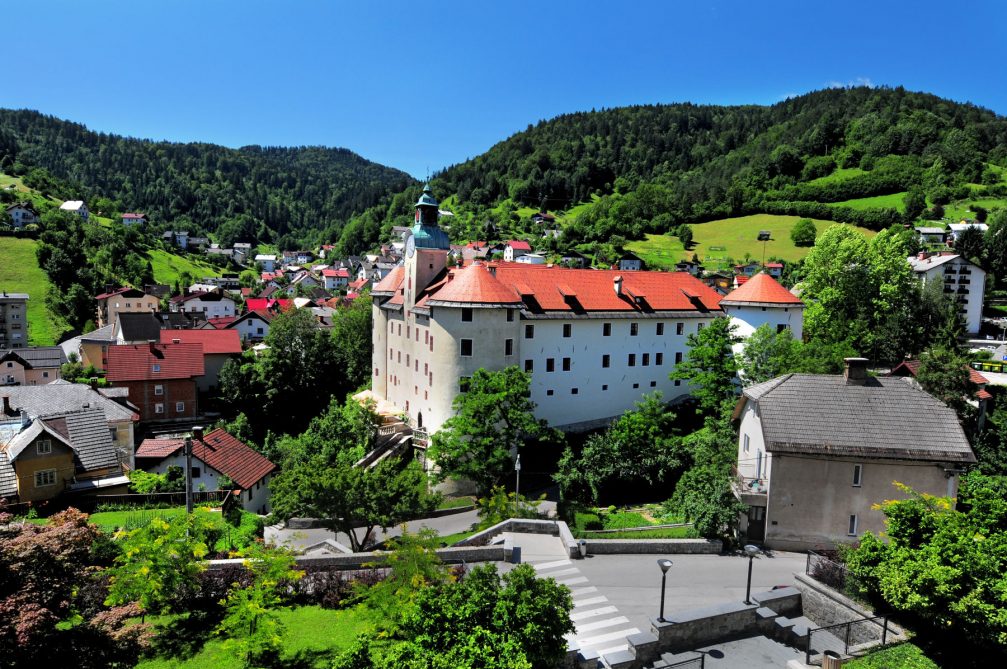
pixel 219 346
pixel 252 325
pixel 335 279
pixel 133 219
pixel 213 304
pixel 594 341
pixel 761 300
pixel 514 249
pixel 215 455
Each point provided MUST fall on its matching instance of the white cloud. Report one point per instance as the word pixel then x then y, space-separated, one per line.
pixel 859 81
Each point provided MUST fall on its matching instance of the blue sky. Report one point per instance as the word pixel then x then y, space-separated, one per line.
pixel 420 86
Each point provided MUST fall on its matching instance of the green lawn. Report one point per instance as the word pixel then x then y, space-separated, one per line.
pixel 840 174
pixel 113 520
pixel 168 267
pixel 571 214
pixel 312 632
pixel 455 502
pixel 715 241
pixel 660 533
pixel 890 201
pixel 956 211
pixel 20 273
pixel 902 656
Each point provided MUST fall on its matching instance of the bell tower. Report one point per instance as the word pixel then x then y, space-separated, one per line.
pixel 426 247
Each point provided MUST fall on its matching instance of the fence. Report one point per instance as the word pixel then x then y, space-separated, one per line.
pixel 856 636
pixel 166 498
pixel 832 573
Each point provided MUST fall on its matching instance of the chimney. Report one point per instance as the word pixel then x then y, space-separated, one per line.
pixel 6 405
pixel 93 382
pixel 197 432
pixel 176 341
pixel 25 419
pixel 617 284
pixel 856 371
pixel 492 267
pixel 922 255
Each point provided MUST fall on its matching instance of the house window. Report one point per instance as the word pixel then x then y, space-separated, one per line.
pixel 196 473
pixel 45 375
pixel 43 447
pixel 467 315
pixel 660 329
pixel 510 315
pixel 606 360
pixel 632 360
pixel 550 364
pixel 678 357
pixel 659 359
pixel 179 407
pixel 159 390
pixel 858 471
pixel 45 477
pixel 634 329
pixel 604 386
pixel 529 366
pixel 567 329
pixel 678 382
pixel 700 326
pixel 780 328
pixel 113 433
pixel 508 347
pixel 529 331
pixel 653 384
pixel 574 391
pixel 407 359
pixel 156 368
pixel 463 383
pixel 636 385
pixel 466 348
pixel 746 442
pixel 646 360
pixel 606 329
pixel 548 393
pixel 852 531
pixel 566 364
pixel 159 408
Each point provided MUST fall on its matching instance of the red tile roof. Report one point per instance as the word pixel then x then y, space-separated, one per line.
pixel 358 284
pixel 221 322
pixel 133 216
pixel 118 291
pixel 983 395
pixel 219 450
pixel 760 289
pixel 390 283
pixel 519 245
pixel 264 303
pixel 213 341
pixel 775 265
pixel 913 367
pixel 135 362
pixel 338 273
pixel 474 285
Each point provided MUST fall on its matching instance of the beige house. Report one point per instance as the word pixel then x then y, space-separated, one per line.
pixel 33 366
pixel 817 452
pixel 123 300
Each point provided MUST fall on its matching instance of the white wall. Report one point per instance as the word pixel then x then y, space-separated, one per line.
pixel 256 499
pixel 748 459
pixel 972 310
pixel 248 329
pixel 215 309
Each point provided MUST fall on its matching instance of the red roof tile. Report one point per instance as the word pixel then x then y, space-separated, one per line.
pixel 913 367
pixel 221 322
pixel 219 450
pixel 983 395
pixel 264 303
pixel 760 289
pixel 118 291
pixel 213 341
pixel 337 273
pixel 519 245
pixel 390 283
pixel 136 362
pixel 475 285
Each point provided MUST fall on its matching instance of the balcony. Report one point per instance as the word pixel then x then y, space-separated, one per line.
pixel 751 491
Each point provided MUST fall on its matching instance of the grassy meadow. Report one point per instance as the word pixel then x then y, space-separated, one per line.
pixel 715 241
pixel 890 201
pixel 20 273
pixel 168 267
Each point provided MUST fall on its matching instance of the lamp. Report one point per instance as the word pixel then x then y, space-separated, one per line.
pixel 665 565
pixel 751 550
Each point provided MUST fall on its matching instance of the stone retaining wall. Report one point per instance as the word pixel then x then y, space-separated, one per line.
pixel 827 607
pixel 657 546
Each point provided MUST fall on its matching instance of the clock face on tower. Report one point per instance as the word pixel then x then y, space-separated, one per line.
pixel 410 246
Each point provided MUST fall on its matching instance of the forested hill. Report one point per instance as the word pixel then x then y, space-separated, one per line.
pixel 657 166
pixel 289 191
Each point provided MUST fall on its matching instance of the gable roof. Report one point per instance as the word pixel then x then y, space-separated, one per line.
pixel 212 296
pixel 390 283
pixel 138 326
pixel 60 397
pixel 85 432
pixel 912 368
pixel 519 245
pixel 219 450
pixel 473 285
pixel 886 418
pixel 135 362
pixel 259 303
pixel 36 356
pixel 213 341
pixel 761 289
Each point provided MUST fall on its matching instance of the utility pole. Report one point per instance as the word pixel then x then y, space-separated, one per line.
pixel 188 475
pixel 517 483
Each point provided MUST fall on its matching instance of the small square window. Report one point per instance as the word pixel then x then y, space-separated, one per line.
pixel 550 364
pixel 574 391
pixel 636 385
pixel 567 330
pixel 858 472
pixel 463 383
pixel 179 407
pixel 43 447
pixel 508 347
pixel 159 408
pixel 632 360
pixel 646 360
pixel 634 329
pixel 604 386
pixel 196 472
pixel 467 315
pixel 653 384
pixel 606 329
pixel 158 390
pixel 566 364
pixel 606 360
pixel 780 328
pixel 678 382
pixel 529 366
pixel 156 368
pixel 660 329
pixel 549 393
pixel 529 331
pixel 678 357
pixel 466 345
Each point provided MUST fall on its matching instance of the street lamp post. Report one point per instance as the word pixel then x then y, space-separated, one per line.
pixel 665 565
pixel 751 551
pixel 517 483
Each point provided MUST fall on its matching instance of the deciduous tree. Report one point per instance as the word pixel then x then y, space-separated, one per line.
pixel 709 367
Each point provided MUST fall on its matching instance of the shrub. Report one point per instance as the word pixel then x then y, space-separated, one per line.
pixel 587 521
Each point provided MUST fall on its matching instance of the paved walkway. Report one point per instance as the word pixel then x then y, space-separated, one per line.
pixel 599 624
pixel 300 539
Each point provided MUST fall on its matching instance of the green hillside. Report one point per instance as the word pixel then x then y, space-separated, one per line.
pixel 169 266
pixel 717 241
pixel 20 273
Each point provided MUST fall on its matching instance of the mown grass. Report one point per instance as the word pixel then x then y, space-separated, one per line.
pixel 890 201
pixel 956 211
pixel 314 637
pixel 20 273
pixel 841 174
pixel 715 241
pixel 168 267
pixel 902 656
pixel 455 502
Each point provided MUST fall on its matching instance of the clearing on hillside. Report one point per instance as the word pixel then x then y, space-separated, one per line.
pixel 890 201
pixel 168 267
pixel 20 273
pixel 716 241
